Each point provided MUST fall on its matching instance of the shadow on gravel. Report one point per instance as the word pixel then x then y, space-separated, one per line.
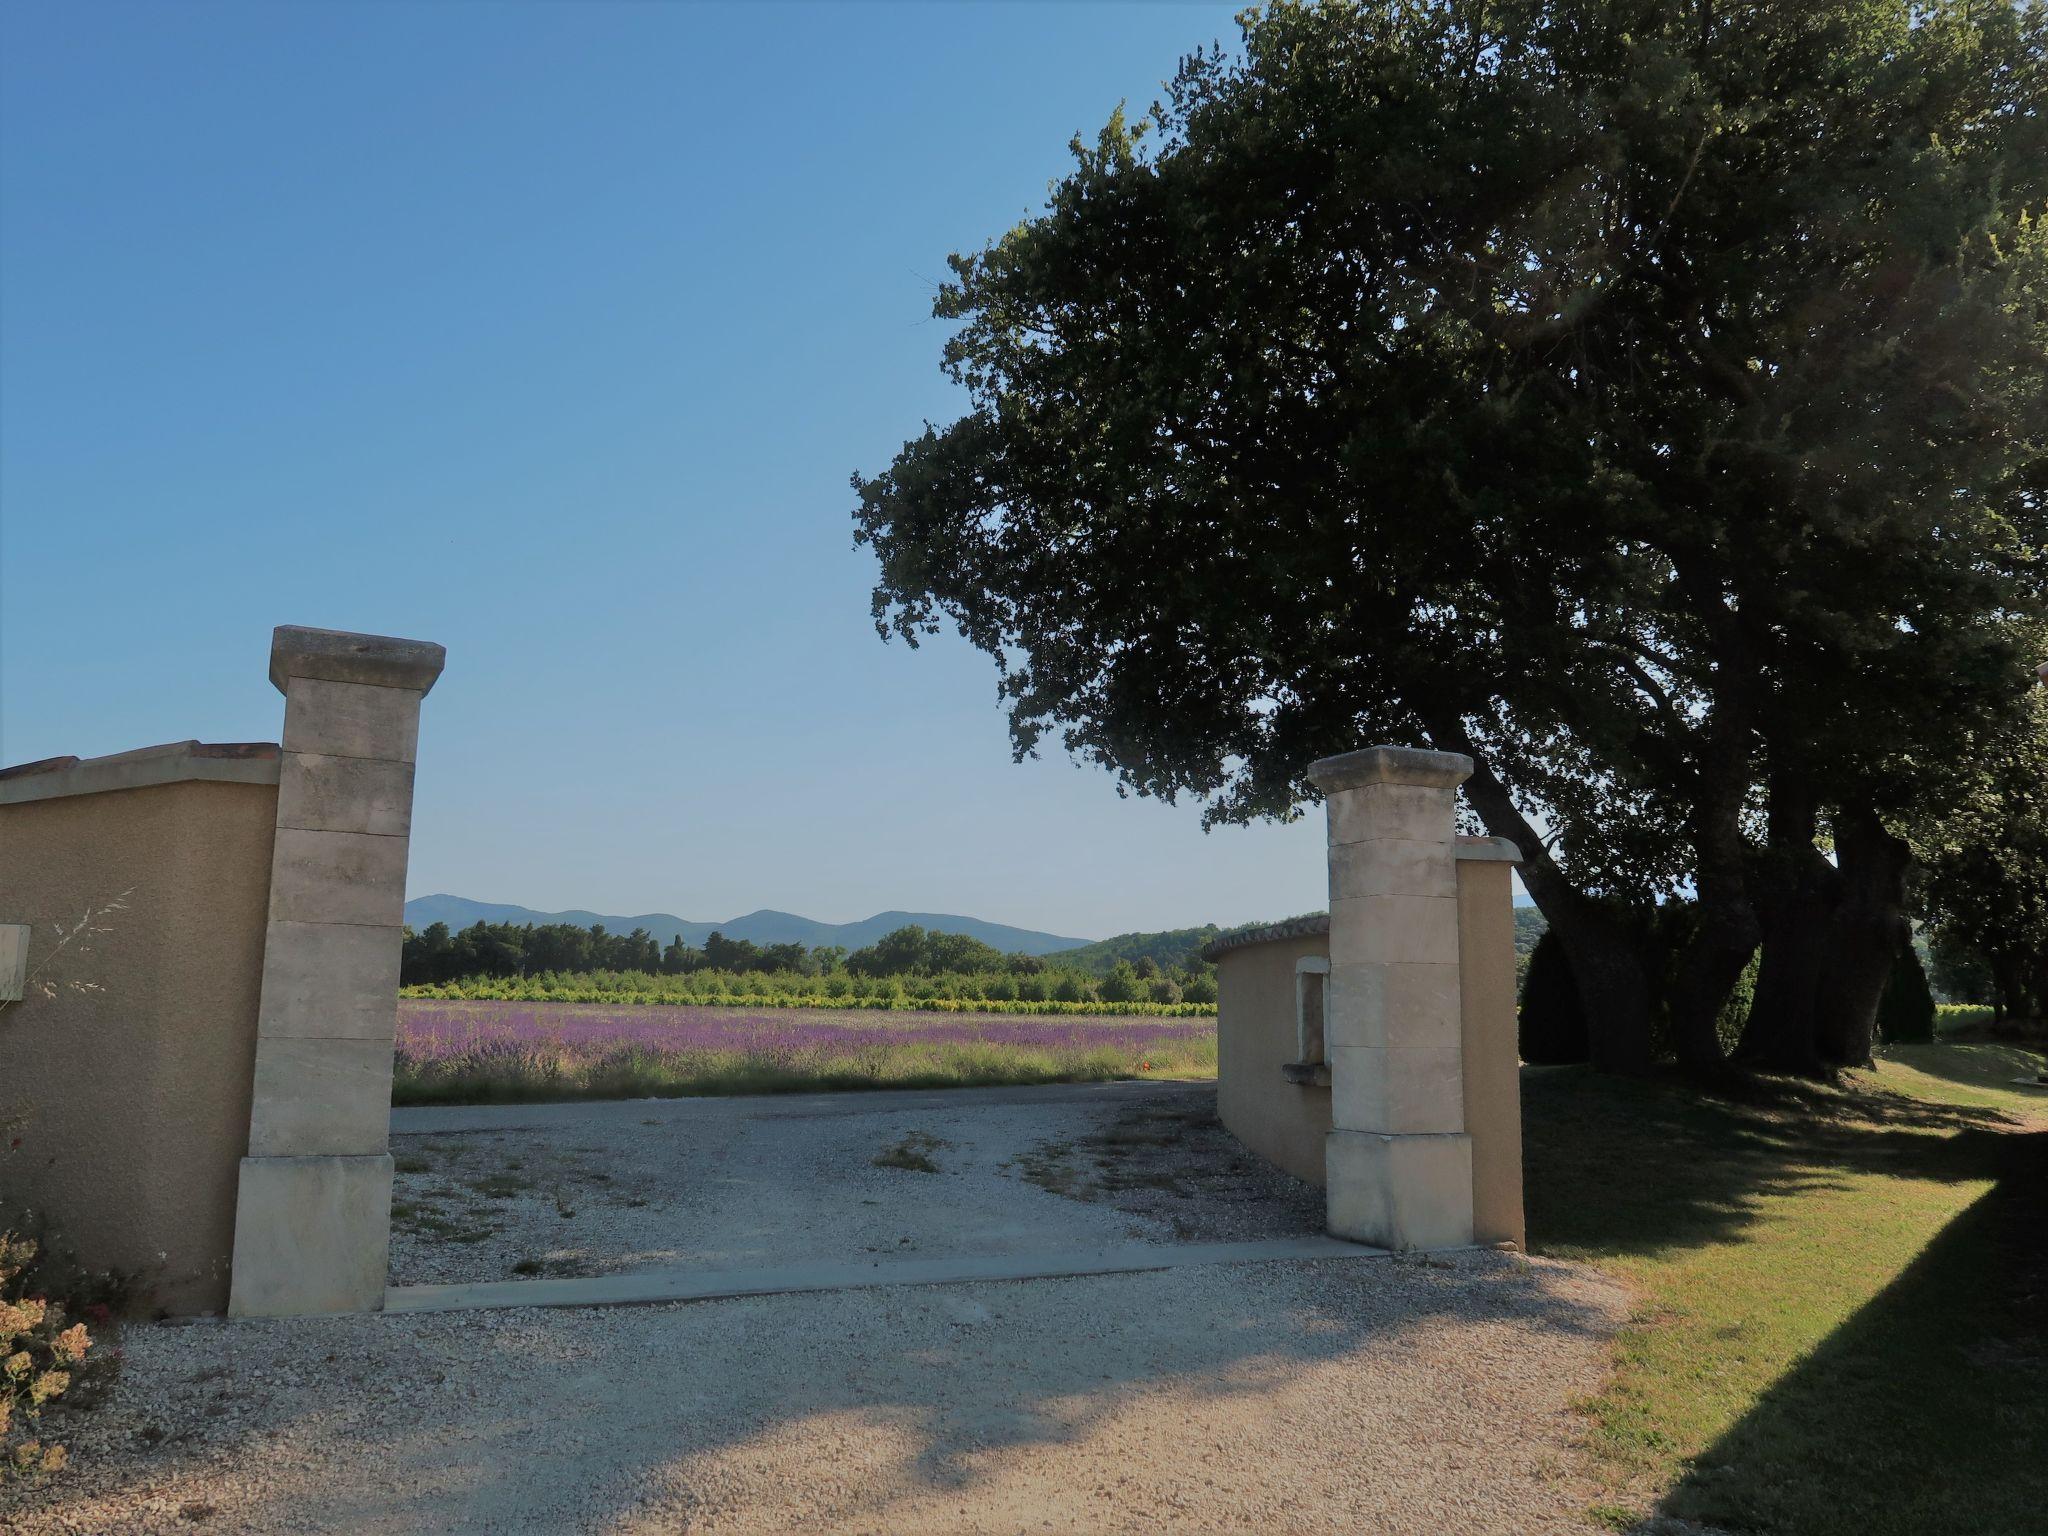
pixel 549 1420
pixel 577 1419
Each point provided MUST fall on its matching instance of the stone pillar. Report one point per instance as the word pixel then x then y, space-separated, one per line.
pixel 1398 1161
pixel 313 1213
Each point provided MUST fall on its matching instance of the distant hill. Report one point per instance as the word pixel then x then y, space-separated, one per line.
pixel 763 927
pixel 1167 949
pixel 1174 946
pixel 1181 946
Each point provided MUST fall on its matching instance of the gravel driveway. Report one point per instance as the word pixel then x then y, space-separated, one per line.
pixel 1366 1394
pixel 1386 1396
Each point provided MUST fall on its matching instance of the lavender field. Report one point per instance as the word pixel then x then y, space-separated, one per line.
pixel 493 1052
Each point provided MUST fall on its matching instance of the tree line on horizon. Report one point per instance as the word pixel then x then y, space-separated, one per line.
pixel 436 955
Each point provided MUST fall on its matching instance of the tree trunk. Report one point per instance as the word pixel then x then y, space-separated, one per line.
pixel 1605 952
pixel 1795 896
pixel 1726 930
pixel 2030 986
pixel 1705 974
pixel 1614 985
pixel 1865 935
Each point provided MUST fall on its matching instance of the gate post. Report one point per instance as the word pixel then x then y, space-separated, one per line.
pixel 1398 1159
pixel 313 1210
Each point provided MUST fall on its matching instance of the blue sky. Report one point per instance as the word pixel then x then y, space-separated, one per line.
pixel 552 332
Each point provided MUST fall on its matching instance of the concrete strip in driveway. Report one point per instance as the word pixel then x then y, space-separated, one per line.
pixel 649 1286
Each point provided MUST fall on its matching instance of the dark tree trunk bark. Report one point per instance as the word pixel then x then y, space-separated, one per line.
pixel 1795 895
pixel 1614 985
pixel 2029 986
pixel 1705 974
pixel 1726 931
pixel 1605 952
pixel 1867 930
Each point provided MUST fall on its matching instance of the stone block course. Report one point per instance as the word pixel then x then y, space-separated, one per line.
pixel 1392 867
pixel 351 720
pixel 1395 1004
pixel 335 655
pixel 312 1234
pixel 318 793
pixel 1390 765
pixel 1397 1091
pixel 1417 812
pixel 330 981
pixel 1400 1192
pixel 1384 930
pixel 338 877
pixel 320 1097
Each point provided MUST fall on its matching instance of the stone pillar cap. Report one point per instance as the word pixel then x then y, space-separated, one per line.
pixel 337 656
pixel 1390 765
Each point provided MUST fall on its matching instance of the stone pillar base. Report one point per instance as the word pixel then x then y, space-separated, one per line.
pixel 1400 1192
pixel 312 1234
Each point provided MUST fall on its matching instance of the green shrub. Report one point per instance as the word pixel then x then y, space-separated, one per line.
pixel 1949 1016
pixel 1553 1023
pixel 1122 984
pixel 1069 989
pixel 1199 989
pixel 1905 1013
pixel 1734 1014
pixel 1163 989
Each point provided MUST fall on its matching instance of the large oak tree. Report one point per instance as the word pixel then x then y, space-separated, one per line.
pixel 1637 396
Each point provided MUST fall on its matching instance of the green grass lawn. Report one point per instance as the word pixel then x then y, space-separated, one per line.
pixel 1842 1320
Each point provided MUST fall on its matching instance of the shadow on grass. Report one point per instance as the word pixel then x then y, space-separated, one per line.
pixel 1641 1168
pixel 1926 1407
pixel 1926 1411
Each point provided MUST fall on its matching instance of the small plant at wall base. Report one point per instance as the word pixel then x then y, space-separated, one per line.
pixel 39 1354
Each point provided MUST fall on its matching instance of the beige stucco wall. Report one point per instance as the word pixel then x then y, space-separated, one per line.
pixel 136 1092
pixel 1492 1064
pixel 1283 1122
pixel 1286 1124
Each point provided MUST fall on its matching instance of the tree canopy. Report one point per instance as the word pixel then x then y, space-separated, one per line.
pixel 1647 399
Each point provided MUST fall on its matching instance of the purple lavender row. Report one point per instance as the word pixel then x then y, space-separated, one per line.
pixel 430 1032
